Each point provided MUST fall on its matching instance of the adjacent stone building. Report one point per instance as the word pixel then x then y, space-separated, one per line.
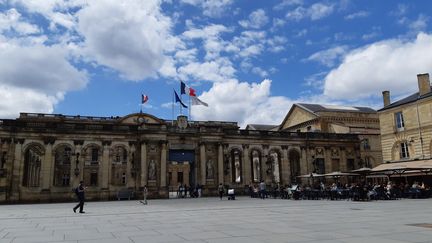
pixel 362 121
pixel 43 156
pixel 406 124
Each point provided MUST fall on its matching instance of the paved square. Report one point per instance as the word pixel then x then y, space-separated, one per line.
pixel 211 220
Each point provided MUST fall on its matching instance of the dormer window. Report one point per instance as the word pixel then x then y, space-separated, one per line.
pixel 399 120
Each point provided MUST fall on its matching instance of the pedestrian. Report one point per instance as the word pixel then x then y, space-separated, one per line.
pixel 145 192
pixel 221 190
pixel 262 187
pixel 79 191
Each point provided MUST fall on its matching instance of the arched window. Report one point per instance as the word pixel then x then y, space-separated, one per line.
pixel 256 165
pixel 62 165
pixel 32 166
pixel 120 155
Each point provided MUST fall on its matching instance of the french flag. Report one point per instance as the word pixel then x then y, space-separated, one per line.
pixel 144 98
pixel 184 89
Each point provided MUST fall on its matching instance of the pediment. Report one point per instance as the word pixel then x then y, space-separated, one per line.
pixel 140 118
pixel 296 116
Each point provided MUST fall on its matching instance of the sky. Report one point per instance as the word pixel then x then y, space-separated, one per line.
pixel 250 60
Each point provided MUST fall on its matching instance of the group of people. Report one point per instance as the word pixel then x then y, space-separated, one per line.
pixel 334 191
pixel 193 191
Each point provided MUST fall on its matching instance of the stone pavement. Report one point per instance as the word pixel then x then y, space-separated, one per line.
pixel 211 220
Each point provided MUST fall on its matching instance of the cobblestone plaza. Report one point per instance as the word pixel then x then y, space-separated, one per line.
pixel 211 220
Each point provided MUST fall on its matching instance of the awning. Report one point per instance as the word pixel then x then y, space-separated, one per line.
pixel 400 167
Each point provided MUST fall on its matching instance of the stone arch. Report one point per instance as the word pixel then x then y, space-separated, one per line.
pixel 294 161
pixel 119 154
pixel 92 156
pixel 63 153
pixel 33 156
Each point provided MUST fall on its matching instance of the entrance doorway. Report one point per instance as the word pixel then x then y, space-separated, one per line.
pixel 180 169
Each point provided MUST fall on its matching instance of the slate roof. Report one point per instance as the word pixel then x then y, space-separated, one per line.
pixel 409 99
pixel 261 127
pixel 314 108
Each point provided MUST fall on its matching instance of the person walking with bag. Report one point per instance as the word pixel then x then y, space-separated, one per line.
pixel 145 192
pixel 79 191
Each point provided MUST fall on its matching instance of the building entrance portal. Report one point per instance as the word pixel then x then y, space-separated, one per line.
pixel 181 169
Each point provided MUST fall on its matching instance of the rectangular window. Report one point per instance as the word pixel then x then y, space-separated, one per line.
pixel 350 164
pixel 404 153
pixel 399 120
pixel 95 155
pixel 93 178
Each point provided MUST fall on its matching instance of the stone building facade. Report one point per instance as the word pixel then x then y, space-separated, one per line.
pixel 362 121
pixel 406 124
pixel 43 156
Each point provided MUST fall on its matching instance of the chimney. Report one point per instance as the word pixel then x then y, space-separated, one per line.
pixel 423 83
pixel 386 98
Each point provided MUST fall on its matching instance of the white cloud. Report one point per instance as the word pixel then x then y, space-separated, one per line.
pixel 34 77
pixel 314 12
pixel 319 10
pixel 420 24
pixel 286 3
pixel 53 10
pixel 211 8
pixel 16 99
pixel 11 20
pixel 328 57
pixel 257 19
pixel 131 38
pixel 259 71
pixel 218 70
pixel 242 102
pixel 356 15
pixel 386 65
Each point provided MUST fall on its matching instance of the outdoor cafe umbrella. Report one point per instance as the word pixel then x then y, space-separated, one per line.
pixel 337 174
pixel 311 175
pixel 362 170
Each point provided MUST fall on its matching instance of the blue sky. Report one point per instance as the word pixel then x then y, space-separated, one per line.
pixel 250 60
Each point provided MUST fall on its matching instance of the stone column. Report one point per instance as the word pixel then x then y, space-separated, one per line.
pixel 304 161
pixel 247 177
pixel 16 170
pixel 144 165
pixel 285 170
pixel 343 160
pixel 203 164
pixel 328 160
pixel 163 164
pixel 220 164
pixel 46 167
pixel 264 166
pixel 105 165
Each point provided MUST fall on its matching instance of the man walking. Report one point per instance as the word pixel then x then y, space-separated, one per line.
pixel 221 191
pixel 145 192
pixel 79 191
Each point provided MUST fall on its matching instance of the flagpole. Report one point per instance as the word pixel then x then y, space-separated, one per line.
pixel 172 108
pixel 190 109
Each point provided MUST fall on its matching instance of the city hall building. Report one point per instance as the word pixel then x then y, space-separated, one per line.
pixel 43 156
